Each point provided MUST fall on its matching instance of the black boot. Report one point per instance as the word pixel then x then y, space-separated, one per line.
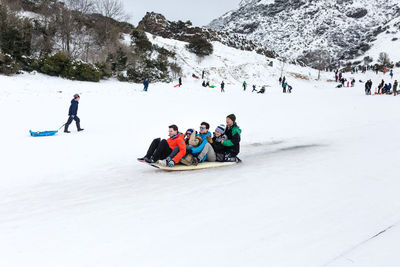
pixel 78 125
pixel 66 128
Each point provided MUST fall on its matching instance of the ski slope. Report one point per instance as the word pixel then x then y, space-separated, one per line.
pixel 319 177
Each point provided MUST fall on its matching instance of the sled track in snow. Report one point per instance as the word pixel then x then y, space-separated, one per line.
pixel 350 250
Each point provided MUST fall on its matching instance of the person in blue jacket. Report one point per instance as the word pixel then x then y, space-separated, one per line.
pixel 72 113
pixel 146 84
pixel 204 151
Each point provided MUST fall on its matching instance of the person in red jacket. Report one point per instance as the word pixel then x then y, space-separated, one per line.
pixel 172 150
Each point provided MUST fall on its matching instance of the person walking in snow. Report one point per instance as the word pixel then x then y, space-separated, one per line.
pixel 395 85
pixel 280 80
pixel 244 86
pixel 180 81
pixel 222 87
pixel 146 84
pixel 254 88
pixel 72 114
pixel 391 74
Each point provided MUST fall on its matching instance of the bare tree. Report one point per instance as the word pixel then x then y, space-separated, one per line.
pixel 67 19
pixel 384 59
pixel 321 60
pixel 113 9
pixel 282 65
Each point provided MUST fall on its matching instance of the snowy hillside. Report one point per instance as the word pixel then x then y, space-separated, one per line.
pixel 228 64
pixel 388 42
pixel 318 185
pixel 295 28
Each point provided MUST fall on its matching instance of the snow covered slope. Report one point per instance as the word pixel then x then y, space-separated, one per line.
pixel 294 28
pixel 319 177
pixel 228 64
pixel 388 42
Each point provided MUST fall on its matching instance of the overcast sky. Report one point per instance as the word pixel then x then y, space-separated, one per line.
pixel 200 12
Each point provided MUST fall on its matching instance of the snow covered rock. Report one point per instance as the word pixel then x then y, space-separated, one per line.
pixel 294 28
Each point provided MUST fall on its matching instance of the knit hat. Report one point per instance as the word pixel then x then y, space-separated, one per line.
pixel 220 129
pixel 76 96
pixel 232 117
pixel 189 130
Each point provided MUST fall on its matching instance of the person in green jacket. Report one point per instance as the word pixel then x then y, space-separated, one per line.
pixel 244 86
pixel 232 143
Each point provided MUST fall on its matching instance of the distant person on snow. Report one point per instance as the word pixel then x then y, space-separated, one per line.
pixel 244 86
pixel 232 144
pixel 284 85
pixel 280 80
pixel 290 89
pixel 222 87
pixel 204 84
pixel 72 113
pixel 388 88
pixel 391 74
pixel 172 150
pixel 353 82
pixel 395 85
pixel 180 81
pixel 254 88
pixel 146 84
pixel 262 90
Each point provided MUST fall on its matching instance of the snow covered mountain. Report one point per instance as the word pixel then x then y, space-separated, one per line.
pixel 296 28
pixel 157 24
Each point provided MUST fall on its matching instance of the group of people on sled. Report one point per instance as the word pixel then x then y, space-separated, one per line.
pixel 194 147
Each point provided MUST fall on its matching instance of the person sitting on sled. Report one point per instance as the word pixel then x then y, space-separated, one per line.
pixel 232 144
pixel 219 149
pixel 192 139
pixel 172 150
pixel 72 113
pixel 204 151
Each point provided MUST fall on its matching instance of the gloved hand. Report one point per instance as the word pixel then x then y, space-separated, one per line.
pixel 171 163
pixel 168 159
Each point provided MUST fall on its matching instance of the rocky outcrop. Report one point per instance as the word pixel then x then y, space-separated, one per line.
pixel 158 25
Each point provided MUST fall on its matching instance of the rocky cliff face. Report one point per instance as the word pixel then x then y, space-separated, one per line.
pixel 158 25
pixel 296 29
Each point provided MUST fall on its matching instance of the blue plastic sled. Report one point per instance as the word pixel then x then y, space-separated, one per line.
pixel 41 134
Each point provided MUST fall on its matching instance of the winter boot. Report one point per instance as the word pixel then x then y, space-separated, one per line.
pixel 78 125
pixel 66 129
pixel 149 160
pixel 195 161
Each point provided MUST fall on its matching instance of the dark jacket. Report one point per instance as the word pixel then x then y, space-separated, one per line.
pixel 217 146
pixel 73 109
pixel 232 145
